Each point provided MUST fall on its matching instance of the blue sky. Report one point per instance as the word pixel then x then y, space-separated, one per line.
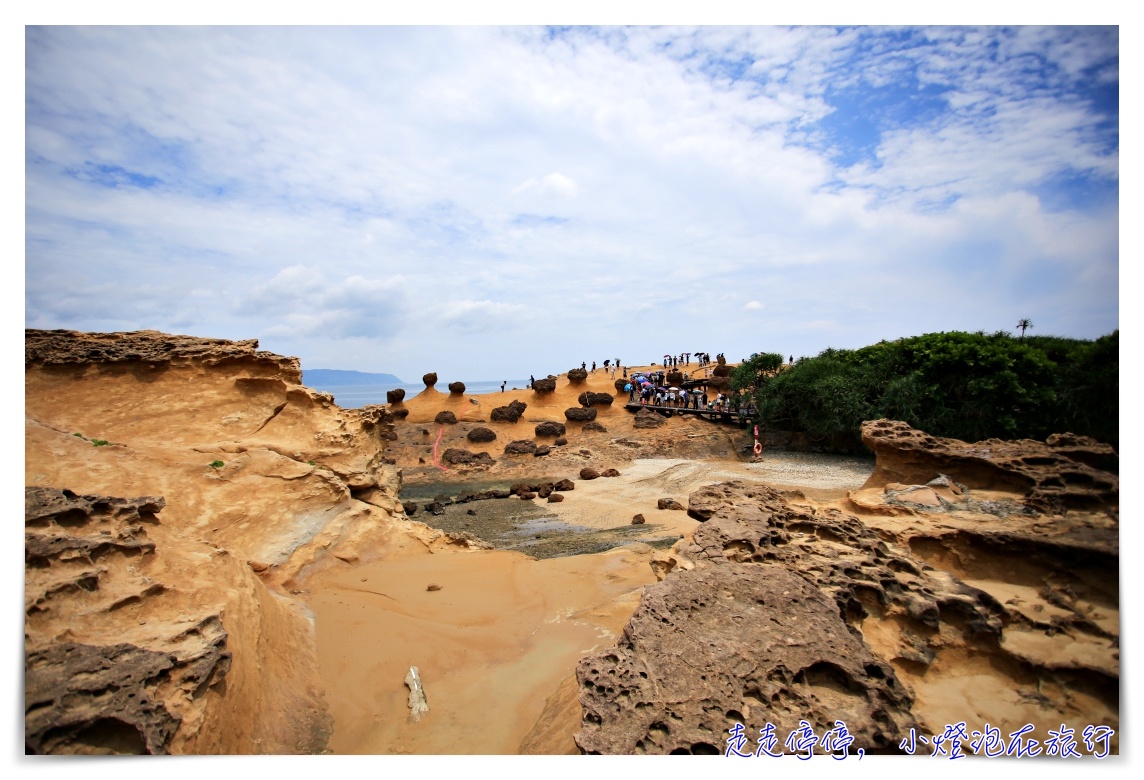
pixel 491 202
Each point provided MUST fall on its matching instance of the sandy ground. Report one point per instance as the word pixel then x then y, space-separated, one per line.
pixel 505 631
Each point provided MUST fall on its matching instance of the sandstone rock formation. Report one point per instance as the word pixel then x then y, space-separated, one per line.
pixel 577 376
pixel 456 388
pixel 674 378
pixel 594 427
pixel 580 413
pixel 510 413
pixel 1066 472
pixel 429 379
pixel 620 384
pixel 670 503
pixel 549 428
pixel 545 386
pixel 395 396
pixel 445 418
pixel 142 555
pixel 776 611
pixel 481 435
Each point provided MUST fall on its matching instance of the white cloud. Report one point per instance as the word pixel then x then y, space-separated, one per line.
pixel 472 194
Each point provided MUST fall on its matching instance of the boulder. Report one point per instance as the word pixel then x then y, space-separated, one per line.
pixel 435 508
pixel 589 473
pixel 555 498
pixel 588 398
pixel 456 388
pixel 564 484
pixel 609 473
pixel 544 386
pixel 480 435
pixel 549 428
pixel 671 503
pixel 594 427
pixel 429 379
pixel 445 418
pixel 395 396
pixel 721 370
pixel 638 520
pixel 458 457
pixel 542 450
pixel 580 414
pixel 544 490
pixel 520 447
pixel 560 441
pixel 577 376
pixel 409 507
pixel 510 413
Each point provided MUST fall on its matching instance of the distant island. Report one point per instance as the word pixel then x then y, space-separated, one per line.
pixel 317 377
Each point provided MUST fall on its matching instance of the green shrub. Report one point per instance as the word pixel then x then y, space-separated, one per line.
pixel 217 464
pixel 100 442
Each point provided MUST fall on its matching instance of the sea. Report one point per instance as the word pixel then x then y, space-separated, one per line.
pixel 356 396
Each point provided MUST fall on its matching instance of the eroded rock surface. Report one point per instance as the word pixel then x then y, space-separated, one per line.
pixel 1065 472
pixel 741 643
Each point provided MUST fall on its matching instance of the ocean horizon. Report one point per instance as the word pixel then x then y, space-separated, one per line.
pixel 359 395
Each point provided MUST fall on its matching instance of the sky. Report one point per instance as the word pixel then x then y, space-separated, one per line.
pixel 489 202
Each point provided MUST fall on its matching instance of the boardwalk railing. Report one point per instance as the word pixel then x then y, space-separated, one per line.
pixel 709 414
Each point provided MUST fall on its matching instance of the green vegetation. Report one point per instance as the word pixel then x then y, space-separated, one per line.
pixel 968 386
pixel 100 442
pixel 217 464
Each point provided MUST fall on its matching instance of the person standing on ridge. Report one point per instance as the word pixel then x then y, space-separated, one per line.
pixel 531 382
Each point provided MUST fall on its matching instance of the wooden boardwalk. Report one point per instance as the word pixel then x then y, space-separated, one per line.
pixel 707 414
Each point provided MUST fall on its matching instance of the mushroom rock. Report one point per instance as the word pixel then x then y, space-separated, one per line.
pixel 580 414
pixel 674 377
pixel 550 428
pixel 429 379
pixel 445 418
pixel 478 435
pixel 719 383
pixel 458 457
pixel 721 370
pixel 544 386
pixel 577 376
pixel 456 388
pixel 395 396
pixel 510 413
pixel 588 398
pixel 620 384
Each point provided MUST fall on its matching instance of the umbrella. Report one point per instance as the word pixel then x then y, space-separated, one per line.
pixel 627 387
pixel 675 389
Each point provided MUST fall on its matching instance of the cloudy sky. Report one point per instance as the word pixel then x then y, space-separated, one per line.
pixel 492 202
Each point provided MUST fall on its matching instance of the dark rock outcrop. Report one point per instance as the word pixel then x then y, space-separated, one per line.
pixel 564 484
pixel 580 414
pixel 638 519
pixel 510 413
pixel 674 378
pixel 429 379
pixel 620 384
pixel 594 427
pixel 481 435
pixel 395 396
pixel 589 473
pixel 445 418
pixel 609 473
pixel 588 398
pixel 670 503
pixel 646 418
pixel 560 441
pixel 577 376
pixel 520 447
pixel 549 428
pixel 555 498
pixel 544 386
pixel 542 450
pixel 458 457
pixel 456 388
pixel 1054 476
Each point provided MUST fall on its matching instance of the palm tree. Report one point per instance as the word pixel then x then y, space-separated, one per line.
pixel 1024 324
